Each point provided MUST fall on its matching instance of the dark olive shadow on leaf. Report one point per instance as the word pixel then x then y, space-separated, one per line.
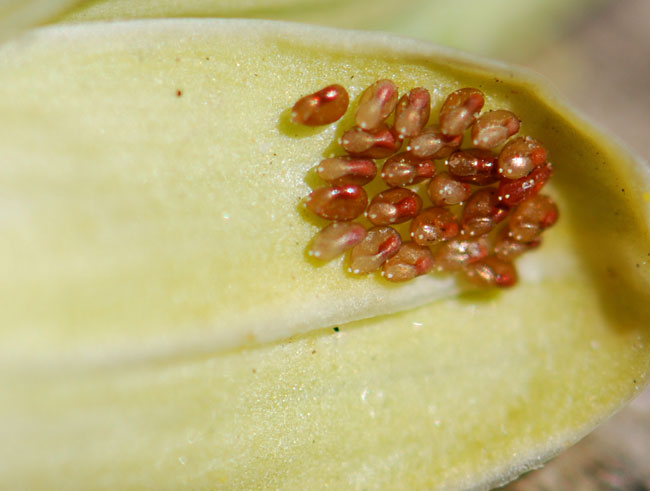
pixel 477 295
pixel 608 231
pixel 310 217
pixel 293 130
pixel 605 253
pixel 313 180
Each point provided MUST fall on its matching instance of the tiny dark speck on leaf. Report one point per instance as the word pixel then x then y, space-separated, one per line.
pixel 336 329
pixel 179 93
pixel 254 370
pixel 634 381
pixel 313 352
pixel 623 190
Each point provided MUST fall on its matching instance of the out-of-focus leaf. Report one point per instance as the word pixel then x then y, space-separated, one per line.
pixel 503 28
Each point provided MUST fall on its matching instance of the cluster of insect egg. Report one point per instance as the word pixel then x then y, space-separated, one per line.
pixel 486 186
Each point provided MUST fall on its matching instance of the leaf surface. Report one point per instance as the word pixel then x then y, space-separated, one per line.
pixel 160 312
